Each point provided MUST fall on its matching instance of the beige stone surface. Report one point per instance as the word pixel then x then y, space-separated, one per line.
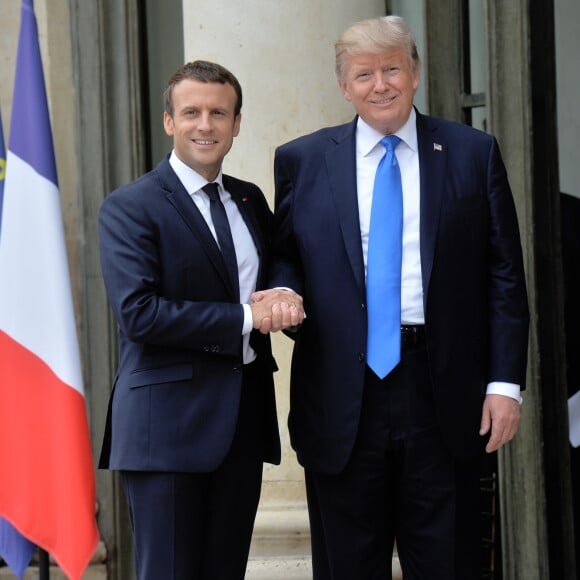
pixel 281 544
pixel 292 569
pixel 281 532
pixel 8 42
pixel 279 568
pixel 96 572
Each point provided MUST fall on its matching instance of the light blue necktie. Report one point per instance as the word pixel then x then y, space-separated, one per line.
pixel 384 264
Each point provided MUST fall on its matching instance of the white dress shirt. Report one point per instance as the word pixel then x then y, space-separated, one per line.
pixel 246 253
pixel 369 152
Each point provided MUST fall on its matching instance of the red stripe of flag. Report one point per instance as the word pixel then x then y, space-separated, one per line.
pixel 40 493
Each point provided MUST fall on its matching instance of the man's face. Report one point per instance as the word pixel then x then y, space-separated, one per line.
pixel 381 88
pixel 203 124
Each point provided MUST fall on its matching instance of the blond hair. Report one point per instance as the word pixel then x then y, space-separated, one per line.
pixel 375 36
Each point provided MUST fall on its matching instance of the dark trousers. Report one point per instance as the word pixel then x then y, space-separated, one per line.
pixel 401 485
pixel 198 526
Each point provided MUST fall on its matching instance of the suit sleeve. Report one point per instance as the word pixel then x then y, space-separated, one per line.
pixel 507 297
pixel 143 290
pixel 285 270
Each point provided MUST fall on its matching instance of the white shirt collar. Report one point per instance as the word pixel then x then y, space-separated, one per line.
pixel 368 138
pixel 190 179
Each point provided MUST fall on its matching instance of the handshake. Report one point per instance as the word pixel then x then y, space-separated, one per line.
pixel 276 309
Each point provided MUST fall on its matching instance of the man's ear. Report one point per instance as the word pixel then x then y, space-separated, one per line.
pixel 237 123
pixel 168 123
pixel 344 90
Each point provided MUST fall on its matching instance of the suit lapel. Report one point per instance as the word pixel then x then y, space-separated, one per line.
pixel 341 167
pixel 248 213
pixel 432 167
pixel 181 200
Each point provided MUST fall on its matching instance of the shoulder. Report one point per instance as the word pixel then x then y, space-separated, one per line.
pixel 247 191
pixel 242 187
pixel 135 197
pixel 318 141
pixel 144 188
pixel 452 131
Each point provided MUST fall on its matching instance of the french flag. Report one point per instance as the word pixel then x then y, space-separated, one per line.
pixel 14 547
pixel 47 486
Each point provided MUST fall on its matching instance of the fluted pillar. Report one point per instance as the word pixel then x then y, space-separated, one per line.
pixel 283 54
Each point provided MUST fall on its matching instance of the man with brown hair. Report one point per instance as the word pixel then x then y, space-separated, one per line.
pixel 192 415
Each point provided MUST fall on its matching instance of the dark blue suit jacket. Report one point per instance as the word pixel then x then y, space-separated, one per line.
pixel 175 400
pixel 475 301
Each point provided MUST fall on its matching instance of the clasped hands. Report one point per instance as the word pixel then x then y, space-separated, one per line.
pixel 276 309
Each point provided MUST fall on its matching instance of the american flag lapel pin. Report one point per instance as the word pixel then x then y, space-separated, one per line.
pixel 437 147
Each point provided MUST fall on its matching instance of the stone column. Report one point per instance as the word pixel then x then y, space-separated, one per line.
pixel 283 54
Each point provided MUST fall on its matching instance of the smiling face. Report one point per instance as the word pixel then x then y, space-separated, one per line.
pixel 381 88
pixel 203 124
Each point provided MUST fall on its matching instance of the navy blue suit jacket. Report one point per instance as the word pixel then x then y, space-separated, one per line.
pixel 175 401
pixel 475 301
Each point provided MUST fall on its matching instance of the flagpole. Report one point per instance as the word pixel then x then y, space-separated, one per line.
pixel 43 565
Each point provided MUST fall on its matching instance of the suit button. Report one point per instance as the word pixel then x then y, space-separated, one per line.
pixel 238 369
pixel 205 349
pixel 215 348
pixel 363 307
pixel 361 356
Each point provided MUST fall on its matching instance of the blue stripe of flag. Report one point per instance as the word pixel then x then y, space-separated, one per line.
pixel 30 111
pixel 15 549
pixel 2 170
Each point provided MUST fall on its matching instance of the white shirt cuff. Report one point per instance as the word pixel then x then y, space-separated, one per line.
pixel 506 389
pixel 248 319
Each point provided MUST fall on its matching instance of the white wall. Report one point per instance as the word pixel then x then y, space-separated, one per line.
pixel 283 54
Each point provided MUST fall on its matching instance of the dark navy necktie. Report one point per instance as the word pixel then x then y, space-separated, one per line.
pixel 384 260
pixel 224 234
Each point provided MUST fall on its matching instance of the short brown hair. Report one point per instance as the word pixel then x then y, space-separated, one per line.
pixel 204 72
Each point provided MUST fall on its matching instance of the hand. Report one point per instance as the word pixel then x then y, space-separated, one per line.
pixel 276 309
pixel 501 414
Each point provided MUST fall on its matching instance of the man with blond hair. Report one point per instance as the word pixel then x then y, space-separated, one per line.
pixel 400 232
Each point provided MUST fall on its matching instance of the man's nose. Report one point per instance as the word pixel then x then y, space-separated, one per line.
pixel 204 123
pixel 380 82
